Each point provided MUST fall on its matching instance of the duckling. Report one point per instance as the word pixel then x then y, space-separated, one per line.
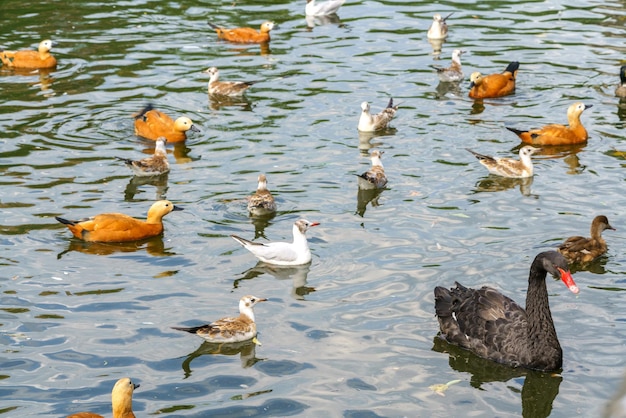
pixel 583 250
pixel 261 203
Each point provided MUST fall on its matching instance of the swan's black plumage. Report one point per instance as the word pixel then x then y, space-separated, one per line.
pixel 495 327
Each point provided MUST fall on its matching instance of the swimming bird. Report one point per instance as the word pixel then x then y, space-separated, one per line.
pixel 494 327
pixel 556 134
pixel 153 124
pixel 230 330
pixel 117 227
pixel 454 72
pixel 245 35
pixel 439 28
pixel 583 250
pixel 150 166
pixel 377 122
pixel 494 85
pixel 121 400
pixel 321 9
pixel 509 167
pixel 30 59
pixel 226 88
pixel 620 91
pixel 283 253
pixel 375 177
pixel 261 203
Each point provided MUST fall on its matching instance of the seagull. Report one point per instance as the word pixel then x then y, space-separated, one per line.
pixel 226 88
pixel 372 123
pixel 454 72
pixel 439 28
pixel 151 166
pixel 374 178
pixel 326 8
pixel 283 253
pixel 508 167
pixel 230 330
pixel 262 202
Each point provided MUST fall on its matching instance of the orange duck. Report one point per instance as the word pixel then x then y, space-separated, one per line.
pixel 493 85
pixel 555 134
pixel 152 124
pixel 245 35
pixel 30 59
pixel 583 250
pixel 121 400
pixel 117 227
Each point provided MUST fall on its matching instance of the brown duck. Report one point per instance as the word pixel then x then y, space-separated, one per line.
pixel 583 250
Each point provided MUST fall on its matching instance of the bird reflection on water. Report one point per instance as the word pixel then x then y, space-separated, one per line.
pixel 539 389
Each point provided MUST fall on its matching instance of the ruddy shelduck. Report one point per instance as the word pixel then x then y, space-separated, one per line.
pixel 375 177
pixel 117 227
pixel 150 166
pixel 376 122
pixel 583 250
pixel 293 253
pixel 121 400
pixel 439 28
pixel 261 203
pixel 153 124
pixel 30 59
pixel 230 330
pixel 555 134
pixel 620 91
pixel 494 85
pixel 245 35
pixel 454 72
pixel 509 167
pixel 226 88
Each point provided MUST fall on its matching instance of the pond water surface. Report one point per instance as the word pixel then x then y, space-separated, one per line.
pixel 354 333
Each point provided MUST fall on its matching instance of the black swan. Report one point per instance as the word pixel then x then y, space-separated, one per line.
pixel 495 327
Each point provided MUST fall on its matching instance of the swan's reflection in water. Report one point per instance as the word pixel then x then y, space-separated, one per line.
pixel 538 390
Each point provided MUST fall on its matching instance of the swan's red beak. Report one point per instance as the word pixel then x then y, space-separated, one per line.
pixel 567 278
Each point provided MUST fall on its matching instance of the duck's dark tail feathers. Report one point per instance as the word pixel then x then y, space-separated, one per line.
pixel 517 132
pixel 512 67
pixel 143 111
pixel 64 221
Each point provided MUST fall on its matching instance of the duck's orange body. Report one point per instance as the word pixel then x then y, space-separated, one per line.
pixel 494 85
pixel 30 59
pixel 555 134
pixel 117 227
pixel 245 35
pixel 153 124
